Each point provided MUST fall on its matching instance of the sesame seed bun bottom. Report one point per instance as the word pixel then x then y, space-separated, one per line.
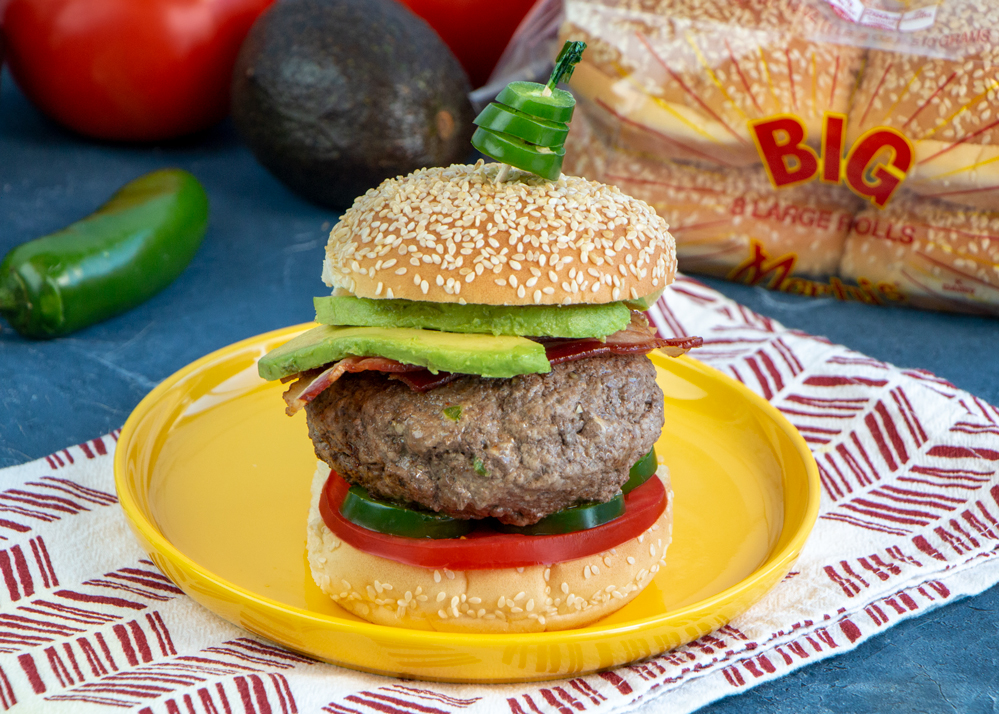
pixel 538 598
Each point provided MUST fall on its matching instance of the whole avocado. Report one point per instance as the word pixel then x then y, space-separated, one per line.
pixel 334 96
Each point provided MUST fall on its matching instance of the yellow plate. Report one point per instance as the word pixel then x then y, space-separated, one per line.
pixel 215 481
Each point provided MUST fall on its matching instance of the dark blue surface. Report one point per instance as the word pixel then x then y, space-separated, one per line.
pixel 258 269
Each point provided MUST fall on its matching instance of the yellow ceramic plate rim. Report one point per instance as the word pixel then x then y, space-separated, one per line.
pixel 774 562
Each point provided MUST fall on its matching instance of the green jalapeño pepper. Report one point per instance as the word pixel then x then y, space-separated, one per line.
pixel 527 124
pixel 386 517
pixel 508 120
pixel 641 472
pixel 119 256
pixel 539 160
pixel 571 519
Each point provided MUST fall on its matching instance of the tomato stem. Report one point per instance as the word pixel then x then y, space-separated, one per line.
pixel 565 63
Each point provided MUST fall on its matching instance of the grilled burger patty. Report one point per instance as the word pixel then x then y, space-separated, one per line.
pixel 516 449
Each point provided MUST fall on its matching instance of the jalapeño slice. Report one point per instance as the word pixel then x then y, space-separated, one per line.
pixel 529 97
pixel 641 472
pixel 384 517
pixel 508 149
pixel 572 519
pixel 515 122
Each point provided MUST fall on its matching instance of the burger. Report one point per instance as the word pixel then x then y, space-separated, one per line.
pixel 479 394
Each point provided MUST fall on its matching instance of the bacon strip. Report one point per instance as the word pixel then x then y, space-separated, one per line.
pixel 425 380
pixel 311 383
pixel 636 338
pixel 582 349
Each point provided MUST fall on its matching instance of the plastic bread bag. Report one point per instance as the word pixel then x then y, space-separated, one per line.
pixel 781 138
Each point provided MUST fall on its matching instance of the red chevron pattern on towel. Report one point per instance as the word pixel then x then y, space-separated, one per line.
pixel 909 468
pixel 156 673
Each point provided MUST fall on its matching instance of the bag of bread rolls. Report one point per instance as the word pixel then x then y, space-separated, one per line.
pixel 774 135
pixel 936 254
pixel 941 90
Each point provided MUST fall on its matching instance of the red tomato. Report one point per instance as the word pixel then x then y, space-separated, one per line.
pixel 485 548
pixel 137 70
pixel 477 31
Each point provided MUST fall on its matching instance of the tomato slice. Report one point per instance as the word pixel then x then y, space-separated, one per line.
pixel 485 548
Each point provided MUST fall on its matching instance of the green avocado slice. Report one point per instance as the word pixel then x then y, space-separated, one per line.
pixel 485 355
pixel 576 321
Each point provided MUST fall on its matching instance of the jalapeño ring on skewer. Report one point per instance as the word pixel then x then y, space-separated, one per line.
pixel 527 124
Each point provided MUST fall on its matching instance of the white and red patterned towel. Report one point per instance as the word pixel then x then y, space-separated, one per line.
pixel 909 521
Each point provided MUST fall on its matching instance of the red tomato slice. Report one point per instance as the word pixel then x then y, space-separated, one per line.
pixel 485 548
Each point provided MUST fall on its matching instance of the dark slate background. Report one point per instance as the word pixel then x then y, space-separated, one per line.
pixel 258 269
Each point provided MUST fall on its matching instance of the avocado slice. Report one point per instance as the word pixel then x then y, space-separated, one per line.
pixel 536 320
pixel 485 355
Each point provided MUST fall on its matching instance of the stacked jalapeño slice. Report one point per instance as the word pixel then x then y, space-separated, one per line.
pixel 527 124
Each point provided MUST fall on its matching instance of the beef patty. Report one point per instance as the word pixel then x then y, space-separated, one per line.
pixel 516 449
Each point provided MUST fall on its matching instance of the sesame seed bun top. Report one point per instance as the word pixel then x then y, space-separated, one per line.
pixel 454 235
